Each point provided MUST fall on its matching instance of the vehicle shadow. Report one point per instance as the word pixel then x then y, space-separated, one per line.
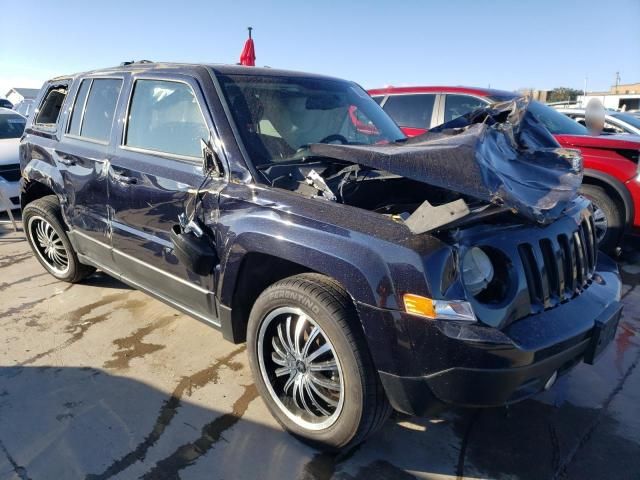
pixel 70 422
pixel 103 280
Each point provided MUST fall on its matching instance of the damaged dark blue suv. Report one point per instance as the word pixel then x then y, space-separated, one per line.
pixel 365 271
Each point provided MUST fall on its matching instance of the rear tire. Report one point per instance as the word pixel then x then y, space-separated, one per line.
pixel 43 223
pixel 333 400
pixel 608 217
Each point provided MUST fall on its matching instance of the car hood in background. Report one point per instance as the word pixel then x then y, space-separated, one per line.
pixel 500 154
pixel 9 151
pixel 625 141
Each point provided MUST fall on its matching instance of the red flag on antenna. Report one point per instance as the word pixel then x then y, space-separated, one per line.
pixel 248 55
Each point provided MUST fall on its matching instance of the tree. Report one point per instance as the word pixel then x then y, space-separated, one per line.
pixel 563 94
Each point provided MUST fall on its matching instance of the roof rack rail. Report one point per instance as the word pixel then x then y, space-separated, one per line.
pixel 133 62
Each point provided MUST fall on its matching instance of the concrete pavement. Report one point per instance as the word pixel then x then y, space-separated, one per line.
pixel 101 381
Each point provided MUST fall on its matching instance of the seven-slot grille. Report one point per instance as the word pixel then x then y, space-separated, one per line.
pixel 11 173
pixel 558 268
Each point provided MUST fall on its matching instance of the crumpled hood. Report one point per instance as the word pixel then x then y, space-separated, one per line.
pixel 9 151
pixel 498 154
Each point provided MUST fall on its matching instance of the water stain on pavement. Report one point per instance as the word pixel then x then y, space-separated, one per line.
pixel 28 305
pixel 133 346
pixel 211 433
pixel 20 471
pixel 78 323
pixel 323 465
pixel 169 410
pixel 5 285
pixel 15 259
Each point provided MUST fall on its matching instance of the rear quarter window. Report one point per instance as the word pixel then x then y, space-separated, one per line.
pixel 51 106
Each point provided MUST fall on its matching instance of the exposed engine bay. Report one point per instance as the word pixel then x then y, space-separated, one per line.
pixel 374 190
pixel 491 160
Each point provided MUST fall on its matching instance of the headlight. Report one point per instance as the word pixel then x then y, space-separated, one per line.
pixel 477 270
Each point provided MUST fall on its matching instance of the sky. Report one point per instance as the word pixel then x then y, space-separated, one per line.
pixel 505 44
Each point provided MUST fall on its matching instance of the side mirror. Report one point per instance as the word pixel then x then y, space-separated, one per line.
pixel 210 159
pixel 594 116
pixel 195 253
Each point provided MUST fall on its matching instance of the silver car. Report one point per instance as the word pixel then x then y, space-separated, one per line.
pixel 614 122
pixel 11 128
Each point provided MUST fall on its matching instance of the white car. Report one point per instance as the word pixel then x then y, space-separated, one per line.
pixel 11 128
pixel 614 122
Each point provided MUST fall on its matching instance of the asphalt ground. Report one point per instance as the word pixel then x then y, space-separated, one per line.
pixel 100 381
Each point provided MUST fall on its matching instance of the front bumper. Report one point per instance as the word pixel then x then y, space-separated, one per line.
pixel 435 362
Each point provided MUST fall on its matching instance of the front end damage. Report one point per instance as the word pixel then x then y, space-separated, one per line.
pixel 500 191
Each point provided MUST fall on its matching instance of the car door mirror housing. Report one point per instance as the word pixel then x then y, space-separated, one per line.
pixel 195 253
pixel 210 160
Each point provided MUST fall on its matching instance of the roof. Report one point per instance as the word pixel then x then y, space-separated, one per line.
pixel 478 91
pixel 222 69
pixel 25 92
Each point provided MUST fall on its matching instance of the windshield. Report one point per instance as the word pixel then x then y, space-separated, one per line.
pixel 11 125
pixel 279 117
pixel 557 123
pixel 626 118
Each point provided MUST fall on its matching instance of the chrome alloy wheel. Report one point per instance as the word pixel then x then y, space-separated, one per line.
pixel 600 222
pixel 48 245
pixel 300 368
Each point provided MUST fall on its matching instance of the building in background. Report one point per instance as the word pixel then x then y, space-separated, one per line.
pixel 625 96
pixel 540 95
pixel 17 95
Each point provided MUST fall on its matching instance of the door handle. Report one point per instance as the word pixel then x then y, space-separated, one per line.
pixel 120 177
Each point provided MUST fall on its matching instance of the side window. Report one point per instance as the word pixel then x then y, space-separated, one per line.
pixel 99 98
pixel 78 108
pixel 411 110
pixel 164 116
pixel 457 105
pixel 51 106
pixel 378 99
pixel 613 128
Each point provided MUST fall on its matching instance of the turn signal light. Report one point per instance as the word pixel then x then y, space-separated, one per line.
pixel 418 305
pixel 440 309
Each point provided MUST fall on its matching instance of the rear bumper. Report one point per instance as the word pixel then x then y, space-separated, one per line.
pixel 475 366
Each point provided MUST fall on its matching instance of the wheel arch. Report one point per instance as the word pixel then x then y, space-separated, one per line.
pixel 31 190
pixel 250 273
pixel 613 187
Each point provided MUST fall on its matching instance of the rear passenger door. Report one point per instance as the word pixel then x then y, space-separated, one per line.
pixel 156 168
pixel 83 156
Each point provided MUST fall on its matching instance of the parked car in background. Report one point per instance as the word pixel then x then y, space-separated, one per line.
pixel 24 107
pixel 11 127
pixel 4 103
pixel 612 171
pixel 246 198
pixel 614 122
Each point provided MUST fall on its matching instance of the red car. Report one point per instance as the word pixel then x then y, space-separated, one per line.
pixel 612 171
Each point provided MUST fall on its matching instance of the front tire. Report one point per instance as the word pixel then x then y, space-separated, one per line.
pixel 607 216
pixel 311 363
pixel 42 222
